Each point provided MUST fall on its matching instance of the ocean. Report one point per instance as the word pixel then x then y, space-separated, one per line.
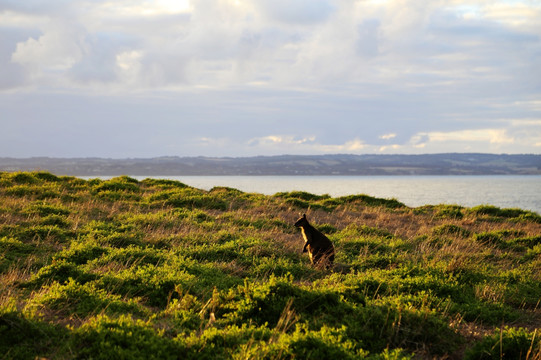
pixel 506 191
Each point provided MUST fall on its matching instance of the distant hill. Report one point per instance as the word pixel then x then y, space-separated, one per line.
pixel 339 164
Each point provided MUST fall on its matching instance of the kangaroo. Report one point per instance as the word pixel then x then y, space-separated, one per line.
pixel 319 247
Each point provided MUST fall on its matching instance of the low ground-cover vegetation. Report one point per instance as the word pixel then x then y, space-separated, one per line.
pixel 157 269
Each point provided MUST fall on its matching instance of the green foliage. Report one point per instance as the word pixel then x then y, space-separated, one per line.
pixel 372 201
pixel 327 343
pixel 23 178
pixel 450 229
pixel 13 251
pixel 302 195
pixel 33 191
pixel 157 269
pixel 45 209
pixel 80 252
pixel 121 184
pixel 163 183
pixel 187 198
pixel 46 233
pixel 507 343
pixel 24 336
pixel 60 271
pixel 494 211
pixel 448 212
pixel 154 285
pixel 103 337
pixel 72 298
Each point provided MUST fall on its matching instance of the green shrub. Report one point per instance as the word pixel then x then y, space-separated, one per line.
pixel 164 183
pixel 72 298
pixel 122 240
pixel 35 191
pixel 264 303
pixel 81 251
pixel 96 228
pixel 13 251
pixel 301 195
pixel 156 285
pixel 279 266
pixel 450 229
pixel 44 209
pixel 491 210
pixel 189 198
pixel 507 343
pixel 46 176
pixel 449 212
pixel 23 178
pixel 297 203
pixel 117 185
pixel 353 250
pixel 128 256
pixel 56 220
pixel 372 201
pixel 44 233
pixel 60 271
pixel 104 337
pixel 26 337
pixel 231 342
pixel 119 196
pixel 529 242
pixel 488 238
pixel 327 343
pixel 183 314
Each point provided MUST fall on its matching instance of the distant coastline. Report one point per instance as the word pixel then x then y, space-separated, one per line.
pixel 338 164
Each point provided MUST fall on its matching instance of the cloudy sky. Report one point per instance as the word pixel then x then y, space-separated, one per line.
pixel 135 78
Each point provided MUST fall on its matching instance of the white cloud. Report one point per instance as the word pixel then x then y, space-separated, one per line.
pixel 361 76
pixel 490 136
pixel 515 137
pixel 227 42
pixel 388 136
pixel 57 50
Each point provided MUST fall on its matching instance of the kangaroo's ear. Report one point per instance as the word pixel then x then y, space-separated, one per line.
pixel 304 216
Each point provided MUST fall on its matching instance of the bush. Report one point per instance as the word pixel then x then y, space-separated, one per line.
pixel 46 176
pixel 107 338
pixel 302 195
pixel 122 184
pixel 23 178
pixel 372 201
pixel 327 343
pixel 82 300
pixel 505 213
pixel 13 251
pixel 26 337
pixel 60 271
pixel 449 212
pixel 164 183
pixel 507 343
pixel 450 229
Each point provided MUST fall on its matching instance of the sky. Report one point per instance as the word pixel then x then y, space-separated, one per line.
pixel 140 79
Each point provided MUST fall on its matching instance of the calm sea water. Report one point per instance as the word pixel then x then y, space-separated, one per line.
pixel 503 191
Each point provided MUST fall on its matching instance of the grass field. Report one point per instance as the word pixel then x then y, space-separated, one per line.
pixel 154 269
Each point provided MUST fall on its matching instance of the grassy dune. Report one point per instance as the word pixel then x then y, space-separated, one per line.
pixel 124 269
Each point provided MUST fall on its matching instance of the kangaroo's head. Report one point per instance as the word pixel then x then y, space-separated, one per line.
pixel 302 221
